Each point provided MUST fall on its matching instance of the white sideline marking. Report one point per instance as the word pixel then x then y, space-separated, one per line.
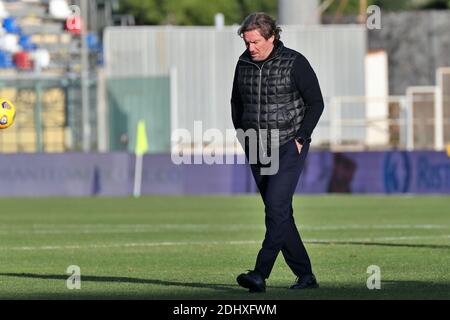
pixel 129 245
pixel 208 243
pixel 145 228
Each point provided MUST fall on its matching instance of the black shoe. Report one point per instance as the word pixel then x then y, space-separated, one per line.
pixel 252 281
pixel 306 282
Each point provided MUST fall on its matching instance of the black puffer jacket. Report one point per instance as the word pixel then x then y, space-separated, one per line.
pixel 268 95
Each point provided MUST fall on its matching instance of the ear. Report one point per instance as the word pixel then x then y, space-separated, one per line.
pixel 272 39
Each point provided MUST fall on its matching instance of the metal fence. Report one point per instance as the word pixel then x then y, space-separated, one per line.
pixel 48 115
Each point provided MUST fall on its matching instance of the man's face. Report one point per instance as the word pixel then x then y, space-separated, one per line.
pixel 259 47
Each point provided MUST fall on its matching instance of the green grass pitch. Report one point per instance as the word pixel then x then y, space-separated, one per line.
pixel 194 247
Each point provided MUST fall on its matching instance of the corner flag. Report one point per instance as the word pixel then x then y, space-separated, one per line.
pixel 140 150
pixel 141 139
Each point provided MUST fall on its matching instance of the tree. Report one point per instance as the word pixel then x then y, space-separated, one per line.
pixel 352 6
pixel 201 12
pixel 193 12
pixel 437 4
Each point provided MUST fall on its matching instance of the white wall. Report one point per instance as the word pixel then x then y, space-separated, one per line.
pixel 377 91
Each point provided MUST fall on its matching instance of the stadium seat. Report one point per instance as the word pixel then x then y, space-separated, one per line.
pixel 41 58
pixel 26 44
pixel 59 9
pixel 3 12
pixel 6 61
pixel 9 42
pixel 23 60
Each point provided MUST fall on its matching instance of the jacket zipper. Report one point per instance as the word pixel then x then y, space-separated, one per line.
pixel 259 99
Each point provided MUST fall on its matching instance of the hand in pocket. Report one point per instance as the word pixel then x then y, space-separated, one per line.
pixel 299 146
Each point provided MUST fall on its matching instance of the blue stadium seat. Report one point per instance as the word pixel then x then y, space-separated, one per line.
pixel 11 26
pixel 6 61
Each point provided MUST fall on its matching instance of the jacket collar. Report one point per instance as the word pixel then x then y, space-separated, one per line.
pixel 275 52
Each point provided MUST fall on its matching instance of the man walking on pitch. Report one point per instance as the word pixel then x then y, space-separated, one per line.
pixel 275 88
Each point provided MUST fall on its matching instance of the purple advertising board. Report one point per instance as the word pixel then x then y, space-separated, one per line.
pixel 77 174
pixel 377 172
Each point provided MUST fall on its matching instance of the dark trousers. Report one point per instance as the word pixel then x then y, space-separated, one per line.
pixel 281 232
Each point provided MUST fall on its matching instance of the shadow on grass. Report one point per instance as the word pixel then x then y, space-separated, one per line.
pixel 382 244
pixel 391 289
pixel 221 287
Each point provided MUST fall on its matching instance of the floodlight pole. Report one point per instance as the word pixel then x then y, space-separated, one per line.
pixel 85 78
pixel 38 108
pixel 439 112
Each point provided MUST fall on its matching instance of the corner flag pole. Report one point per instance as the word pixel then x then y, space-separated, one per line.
pixel 141 149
